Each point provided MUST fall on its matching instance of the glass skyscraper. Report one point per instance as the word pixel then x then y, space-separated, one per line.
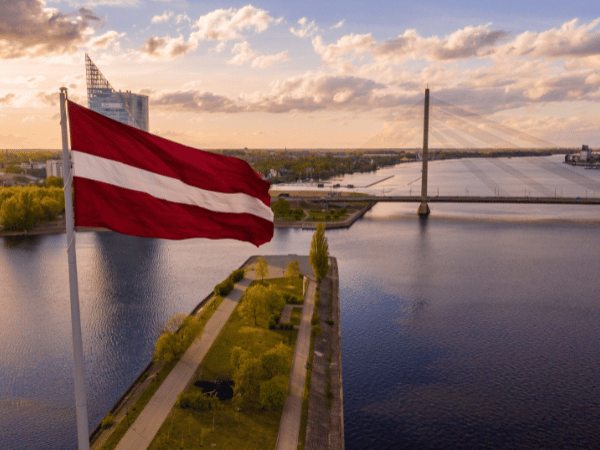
pixel 128 108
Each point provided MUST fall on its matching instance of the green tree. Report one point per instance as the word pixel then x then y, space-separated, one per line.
pixel 246 379
pixel 319 253
pixel 273 392
pixel 177 335
pixel 21 211
pixel 275 361
pixel 54 182
pixel 261 268
pixel 254 302
pixel 281 208
pixel 293 269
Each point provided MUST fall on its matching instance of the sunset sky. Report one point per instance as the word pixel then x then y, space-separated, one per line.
pixel 310 74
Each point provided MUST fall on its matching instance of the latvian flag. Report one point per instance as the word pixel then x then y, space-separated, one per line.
pixel 135 183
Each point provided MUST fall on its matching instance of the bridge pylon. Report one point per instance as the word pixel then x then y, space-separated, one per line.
pixel 423 210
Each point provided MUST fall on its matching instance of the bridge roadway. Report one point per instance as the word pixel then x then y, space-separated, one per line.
pixel 455 199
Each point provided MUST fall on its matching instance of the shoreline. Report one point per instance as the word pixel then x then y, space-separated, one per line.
pixel 335 430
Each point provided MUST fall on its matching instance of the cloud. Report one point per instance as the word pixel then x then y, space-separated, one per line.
pixel 306 28
pixel 569 40
pixel 104 40
pixel 225 24
pixel 305 93
pixel 243 53
pixel 29 81
pixel 163 18
pixel 462 44
pixel 167 47
pixel 264 61
pixel 181 17
pixel 195 101
pixel 338 25
pixel 7 99
pixel 28 29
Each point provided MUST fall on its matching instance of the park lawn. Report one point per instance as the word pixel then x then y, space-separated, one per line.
pixel 122 427
pixel 296 315
pixel 319 216
pixel 248 429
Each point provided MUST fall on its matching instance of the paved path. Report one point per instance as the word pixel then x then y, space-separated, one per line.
pixel 289 428
pixel 142 432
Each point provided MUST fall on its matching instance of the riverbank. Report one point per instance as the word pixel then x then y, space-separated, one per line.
pixel 121 409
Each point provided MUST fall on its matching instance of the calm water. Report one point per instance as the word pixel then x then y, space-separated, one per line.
pixel 475 329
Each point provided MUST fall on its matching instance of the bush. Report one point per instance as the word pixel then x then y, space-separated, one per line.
pixel 224 288
pixel 273 392
pixel 237 275
pixel 108 421
pixel 198 401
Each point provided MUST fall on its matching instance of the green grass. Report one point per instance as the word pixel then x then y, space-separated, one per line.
pixel 330 216
pixel 296 315
pixel 248 429
pixel 139 405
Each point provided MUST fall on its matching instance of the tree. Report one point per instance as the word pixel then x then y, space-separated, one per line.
pixel 261 268
pixel 293 269
pixel 253 302
pixel 281 208
pixel 273 392
pixel 275 361
pixel 319 253
pixel 54 182
pixel 176 336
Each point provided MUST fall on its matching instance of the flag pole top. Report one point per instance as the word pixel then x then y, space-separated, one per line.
pixel 63 89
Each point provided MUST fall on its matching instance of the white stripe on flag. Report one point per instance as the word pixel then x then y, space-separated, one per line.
pixel 163 187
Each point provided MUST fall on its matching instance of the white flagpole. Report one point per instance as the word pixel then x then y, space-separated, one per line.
pixel 78 372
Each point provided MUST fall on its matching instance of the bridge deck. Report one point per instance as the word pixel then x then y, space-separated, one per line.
pixel 456 199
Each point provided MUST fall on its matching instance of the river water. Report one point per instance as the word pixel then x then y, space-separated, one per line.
pixel 477 328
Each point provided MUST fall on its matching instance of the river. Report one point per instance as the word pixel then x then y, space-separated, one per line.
pixel 477 328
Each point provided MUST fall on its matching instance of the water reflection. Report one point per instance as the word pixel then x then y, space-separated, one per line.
pixel 27 243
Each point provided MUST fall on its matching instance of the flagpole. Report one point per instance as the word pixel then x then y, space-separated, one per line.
pixel 78 362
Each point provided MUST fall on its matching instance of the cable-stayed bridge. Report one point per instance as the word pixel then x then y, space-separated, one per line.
pixel 447 127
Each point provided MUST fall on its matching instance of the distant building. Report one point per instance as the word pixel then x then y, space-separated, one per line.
pixel 127 108
pixel 54 168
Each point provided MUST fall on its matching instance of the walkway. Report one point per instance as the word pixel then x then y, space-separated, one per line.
pixel 289 428
pixel 142 432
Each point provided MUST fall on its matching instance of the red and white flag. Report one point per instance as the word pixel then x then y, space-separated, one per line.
pixel 136 183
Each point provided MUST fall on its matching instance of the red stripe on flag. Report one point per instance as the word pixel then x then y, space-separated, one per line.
pixel 98 135
pixel 136 213
pixel 239 211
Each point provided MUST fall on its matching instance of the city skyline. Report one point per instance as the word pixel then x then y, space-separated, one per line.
pixel 273 75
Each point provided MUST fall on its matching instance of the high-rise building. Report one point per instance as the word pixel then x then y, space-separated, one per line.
pixel 128 108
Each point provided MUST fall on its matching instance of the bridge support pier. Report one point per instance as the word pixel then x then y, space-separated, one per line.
pixel 423 210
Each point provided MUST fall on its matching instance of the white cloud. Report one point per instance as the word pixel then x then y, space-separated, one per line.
pixel 243 53
pixel 32 81
pixel 104 40
pixel 338 25
pixel 181 17
pixel 162 18
pixel 167 47
pixel 225 24
pixel 306 28
pixel 264 61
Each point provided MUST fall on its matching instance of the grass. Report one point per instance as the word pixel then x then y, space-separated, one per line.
pixel 330 216
pixel 296 315
pixel 248 429
pixel 139 405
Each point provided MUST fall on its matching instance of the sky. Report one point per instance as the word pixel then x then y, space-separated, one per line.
pixel 310 74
